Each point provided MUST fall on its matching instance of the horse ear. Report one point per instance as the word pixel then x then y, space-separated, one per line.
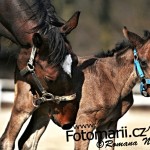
pixel 37 40
pixel 133 38
pixel 70 24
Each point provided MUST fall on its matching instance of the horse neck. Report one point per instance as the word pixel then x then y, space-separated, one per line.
pixel 17 22
pixel 126 72
pixel 125 77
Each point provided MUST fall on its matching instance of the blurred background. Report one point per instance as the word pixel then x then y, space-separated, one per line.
pixel 101 21
pixel 100 28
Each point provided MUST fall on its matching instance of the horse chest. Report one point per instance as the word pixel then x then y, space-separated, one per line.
pixel 109 114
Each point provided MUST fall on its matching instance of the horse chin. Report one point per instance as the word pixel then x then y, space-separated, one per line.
pixel 64 126
pixel 67 126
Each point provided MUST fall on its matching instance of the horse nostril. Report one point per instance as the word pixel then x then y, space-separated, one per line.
pixel 67 126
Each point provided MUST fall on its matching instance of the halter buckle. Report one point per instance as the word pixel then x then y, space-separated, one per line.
pixel 143 87
pixel 45 97
pixel 28 69
pixel 48 97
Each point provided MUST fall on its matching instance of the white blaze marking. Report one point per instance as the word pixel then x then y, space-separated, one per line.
pixel 66 65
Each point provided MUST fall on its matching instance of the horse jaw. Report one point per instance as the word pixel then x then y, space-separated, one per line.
pixel 66 65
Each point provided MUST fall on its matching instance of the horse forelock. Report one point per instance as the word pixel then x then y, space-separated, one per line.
pixel 56 46
pixel 48 23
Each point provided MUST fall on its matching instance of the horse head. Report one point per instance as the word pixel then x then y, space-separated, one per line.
pixel 53 62
pixel 63 114
pixel 141 48
pixel 54 52
pixel 54 47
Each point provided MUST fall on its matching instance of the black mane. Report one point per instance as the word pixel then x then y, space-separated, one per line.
pixel 47 24
pixel 109 53
pixel 57 48
pixel 120 46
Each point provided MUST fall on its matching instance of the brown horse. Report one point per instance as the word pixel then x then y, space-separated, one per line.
pixel 104 87
pixel 47 76
pixel 45 63
pixel 109 97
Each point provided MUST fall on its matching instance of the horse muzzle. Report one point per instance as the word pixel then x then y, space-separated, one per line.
pixel 67 126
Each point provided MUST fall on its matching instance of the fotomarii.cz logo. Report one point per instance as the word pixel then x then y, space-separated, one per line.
pixel 109 136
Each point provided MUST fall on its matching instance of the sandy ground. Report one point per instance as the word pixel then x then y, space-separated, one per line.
pixel 55 138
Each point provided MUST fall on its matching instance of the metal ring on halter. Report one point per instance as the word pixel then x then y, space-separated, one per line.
pixel 34 103
pixel 48 96
pixel 30 67
pixel 45 97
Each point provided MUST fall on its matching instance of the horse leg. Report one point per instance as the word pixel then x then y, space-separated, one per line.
pixel 105 142
pixel 85 125
pixel 106 139
pixel 22 109
pixel 35 129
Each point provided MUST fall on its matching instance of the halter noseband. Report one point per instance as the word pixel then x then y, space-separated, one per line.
pixel 144 82
pixel 45 96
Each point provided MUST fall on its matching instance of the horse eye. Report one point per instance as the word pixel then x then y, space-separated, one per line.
pixel 143 63
pixel 47 79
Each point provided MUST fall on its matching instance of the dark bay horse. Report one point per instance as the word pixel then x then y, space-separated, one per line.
pixel 104 87
pixel 45 63
pixel 52 76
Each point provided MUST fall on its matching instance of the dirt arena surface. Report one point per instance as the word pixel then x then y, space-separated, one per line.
pixel 55 138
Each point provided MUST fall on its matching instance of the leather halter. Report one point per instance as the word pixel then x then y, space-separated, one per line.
pixel 144 81
pixel 45 96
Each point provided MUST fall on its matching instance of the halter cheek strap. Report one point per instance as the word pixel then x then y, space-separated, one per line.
pixel 45 96
pixel 144 82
